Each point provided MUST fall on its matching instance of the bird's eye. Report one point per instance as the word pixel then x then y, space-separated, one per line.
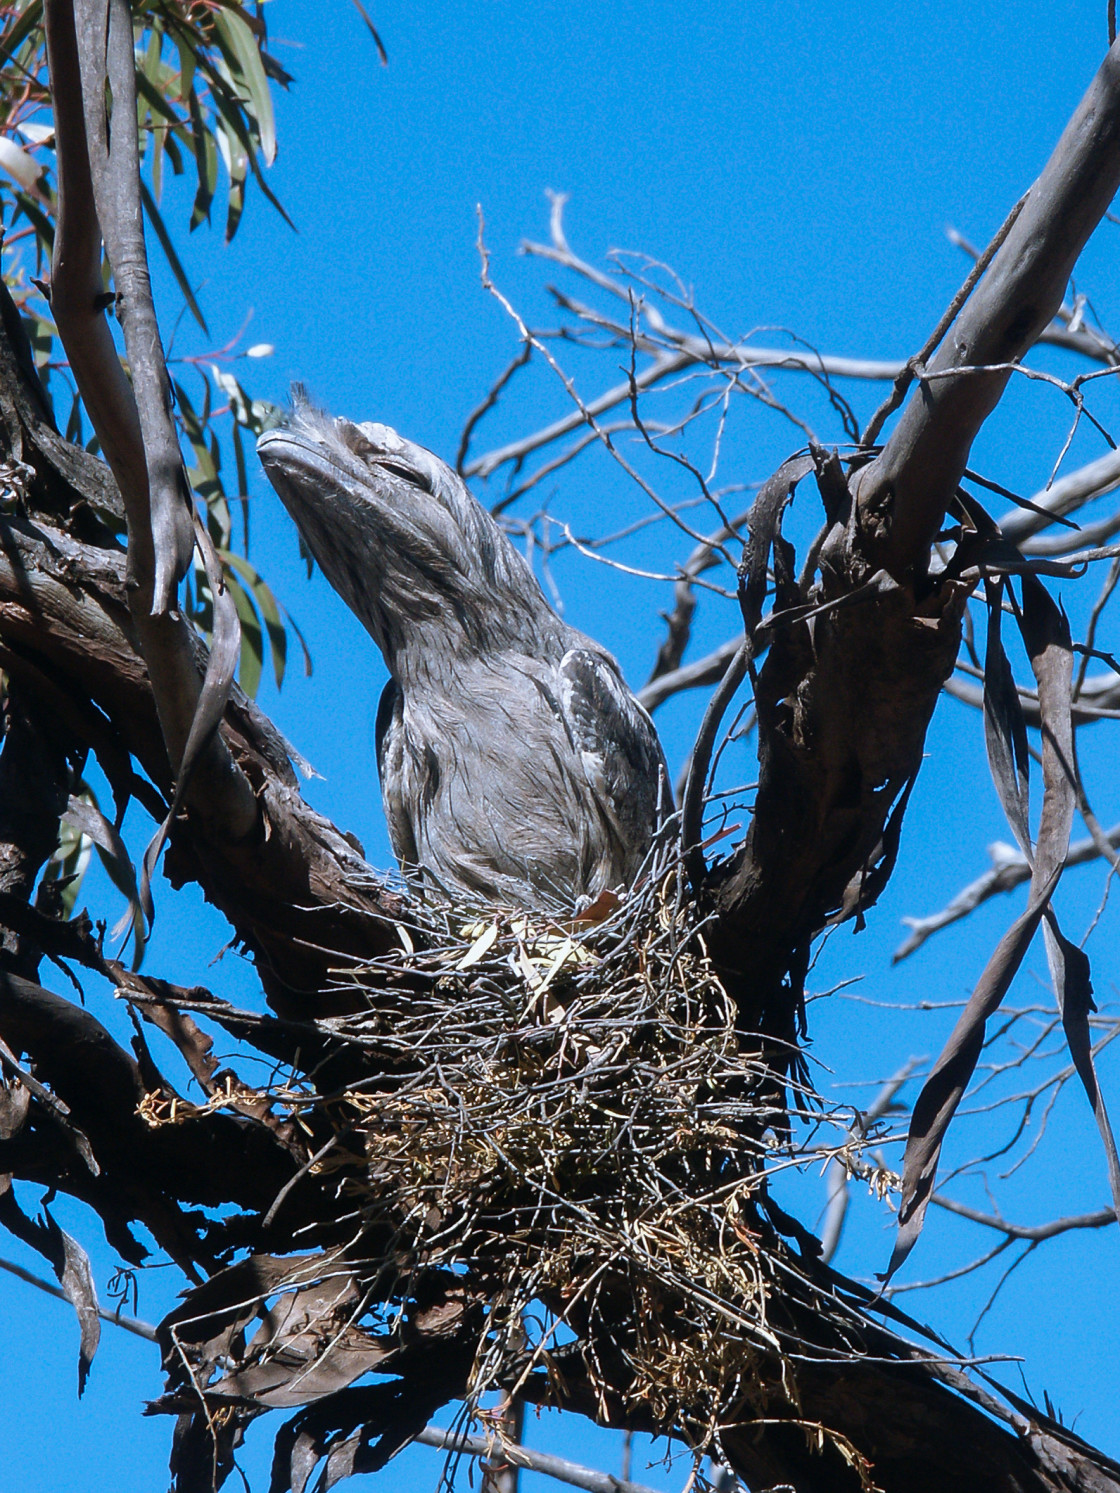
pixel 406 474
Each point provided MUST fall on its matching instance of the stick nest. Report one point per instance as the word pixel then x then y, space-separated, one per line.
pixel 567 1114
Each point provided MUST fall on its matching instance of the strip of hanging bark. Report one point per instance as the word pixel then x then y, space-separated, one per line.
pixel 307 1351
pixel 1005 730
pixel 98 190
pixel 1047 639
pixel 945 1086
pixel 763 527
pixel 1046 634
pixel 225 647
pixel 843 698
pixel 106 61
pixel 306 1347
pixel 1069 969
pixel 70 1264
pixel 127 1324
pixel 92 822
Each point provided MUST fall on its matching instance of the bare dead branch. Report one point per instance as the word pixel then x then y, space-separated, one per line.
pixel 1065 496
pixel 1037 1232
pixel 544 1463
pixel 128 1324
pixel 707 670
pixel 1009 869
pixel 1099 698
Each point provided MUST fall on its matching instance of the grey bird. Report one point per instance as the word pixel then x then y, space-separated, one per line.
pixel 516 767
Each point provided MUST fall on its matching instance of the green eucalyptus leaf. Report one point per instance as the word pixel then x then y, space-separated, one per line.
pixel 31 20
pixel 206 163
pixel 242 477
pixel 188 61
pixel 170 255
pixel 242 46
pixel 38 219
pixel 252 638
pixel 269 609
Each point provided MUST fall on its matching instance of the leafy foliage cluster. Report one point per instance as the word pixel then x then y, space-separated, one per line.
pixel 203 79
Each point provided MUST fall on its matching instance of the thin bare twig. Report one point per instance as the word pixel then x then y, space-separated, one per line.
pixel 559 1468
pixel 1009 869
pixel 129 1324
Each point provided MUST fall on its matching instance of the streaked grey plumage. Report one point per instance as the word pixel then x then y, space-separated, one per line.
pixel 516 767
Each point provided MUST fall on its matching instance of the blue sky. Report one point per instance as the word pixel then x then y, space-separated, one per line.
pixel 797 165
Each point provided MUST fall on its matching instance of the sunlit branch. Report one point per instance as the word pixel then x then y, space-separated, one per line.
pixel 559 1468
pixel 1009 870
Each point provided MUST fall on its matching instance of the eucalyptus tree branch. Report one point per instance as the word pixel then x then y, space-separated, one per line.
pixel 903 494
pixel 98 193
pixel 1067 329
pixel 933 342
pixel 1063 497
pixel 516 451
pixel 711 350
pixel 302 895
pixel 707 670
pixel 1036 1232
pixel 301 898
pixel 106 1154
pixel 1009 869
pixel 544 1463
pixel 1058 334
pixel 692 805
pixel 843 713
pixel 128 1324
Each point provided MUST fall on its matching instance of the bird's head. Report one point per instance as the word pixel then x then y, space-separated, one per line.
pixel 398 535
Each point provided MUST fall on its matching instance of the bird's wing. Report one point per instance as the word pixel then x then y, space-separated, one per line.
pixel 618 748
pixel 392 770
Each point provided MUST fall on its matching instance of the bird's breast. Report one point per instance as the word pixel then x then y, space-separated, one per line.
pixel 487 788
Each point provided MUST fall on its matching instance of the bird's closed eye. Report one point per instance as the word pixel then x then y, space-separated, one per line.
pixel 406 474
